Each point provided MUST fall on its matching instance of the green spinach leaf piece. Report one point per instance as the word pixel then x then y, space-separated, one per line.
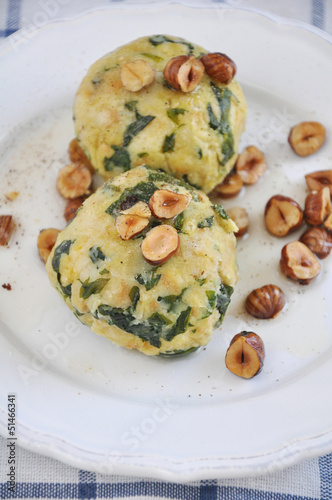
pixel 180 325
pixel 206 222
pixel 223 97
pixel 141 192
pixel 149 279
pixel 223 300
pixel 121 158
pixel 219 209
pixel 136 127
pixel 174 113
pixel 172 301
pixel 88 289
pixel 63 248
pixel 169 143
pixel 96 254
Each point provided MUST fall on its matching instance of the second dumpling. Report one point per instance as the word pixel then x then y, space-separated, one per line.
pixel 192 135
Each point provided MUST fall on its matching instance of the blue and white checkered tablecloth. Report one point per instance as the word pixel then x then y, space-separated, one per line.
pixel 41 477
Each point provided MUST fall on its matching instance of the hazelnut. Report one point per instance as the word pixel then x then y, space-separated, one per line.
pixel 46 241
pixel 230 187
pixel 251 165
pixel 136 74
pixel 299 263
pixel 166 204
pixel 306 138
pixel 318 240
pixel 282 215
pixel 74 180
pixel 140 208
pixel 265 302
pixel 219 67
pixel 72 206
pixel 241 218
pixel 328 223
pixel 77 155
pixel 129 226
pixel 245 355
pixel 318 180
pixel 160 244
pixel 184 73
pixel 317 206
pixel 6 228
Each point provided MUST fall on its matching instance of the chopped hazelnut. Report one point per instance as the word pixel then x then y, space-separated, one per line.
pixel 46 241
pixel 318 240
pixel 299 263
pixel 160 244
pixel 165 204
pixel 140 208
pixel 328 223
pixel 77 155
pixel 184 73
pixel 129 226
pixel 74 180
pixel 72 206
pixel 317 206
pixel 12 195
pixel 317 180
pixel 241 218
pixel 136 74
pixel 6 229
pixel 282 215
pixel 251 165
pixel 245 355
pixel 306 138
pixel 230 187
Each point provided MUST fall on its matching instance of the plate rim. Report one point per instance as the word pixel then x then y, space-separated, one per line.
pixel 145 4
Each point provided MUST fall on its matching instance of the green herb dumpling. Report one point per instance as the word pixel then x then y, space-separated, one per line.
pixel 148 262
pixel 127 114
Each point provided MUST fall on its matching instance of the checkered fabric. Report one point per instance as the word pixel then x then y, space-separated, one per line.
pixel 41 477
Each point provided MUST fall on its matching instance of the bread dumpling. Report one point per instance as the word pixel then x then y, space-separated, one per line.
pixel 193 135
pixel 117 267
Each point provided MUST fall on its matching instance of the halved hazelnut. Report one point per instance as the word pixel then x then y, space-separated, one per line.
pixel 318 240
pixel 160 244
pixel 317 206
pixel 136 74
pixel 299 263
pixel 328 222
pixel 140 208
pixel 77 155
pixel 230 187
pixel 74 180
pixel 251 165
pixel 72 206
pixel 306 138
pixel 46 241
pixel 129 226
pixel 219 66
pixel 265 302
pixel 241 218
pixel 318 180
pixel 282 215
pixel 6 228
pixel 183 73
pixel 245 355
pixel 166 204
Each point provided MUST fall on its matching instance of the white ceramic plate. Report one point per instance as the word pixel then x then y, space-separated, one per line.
pixel 97 406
